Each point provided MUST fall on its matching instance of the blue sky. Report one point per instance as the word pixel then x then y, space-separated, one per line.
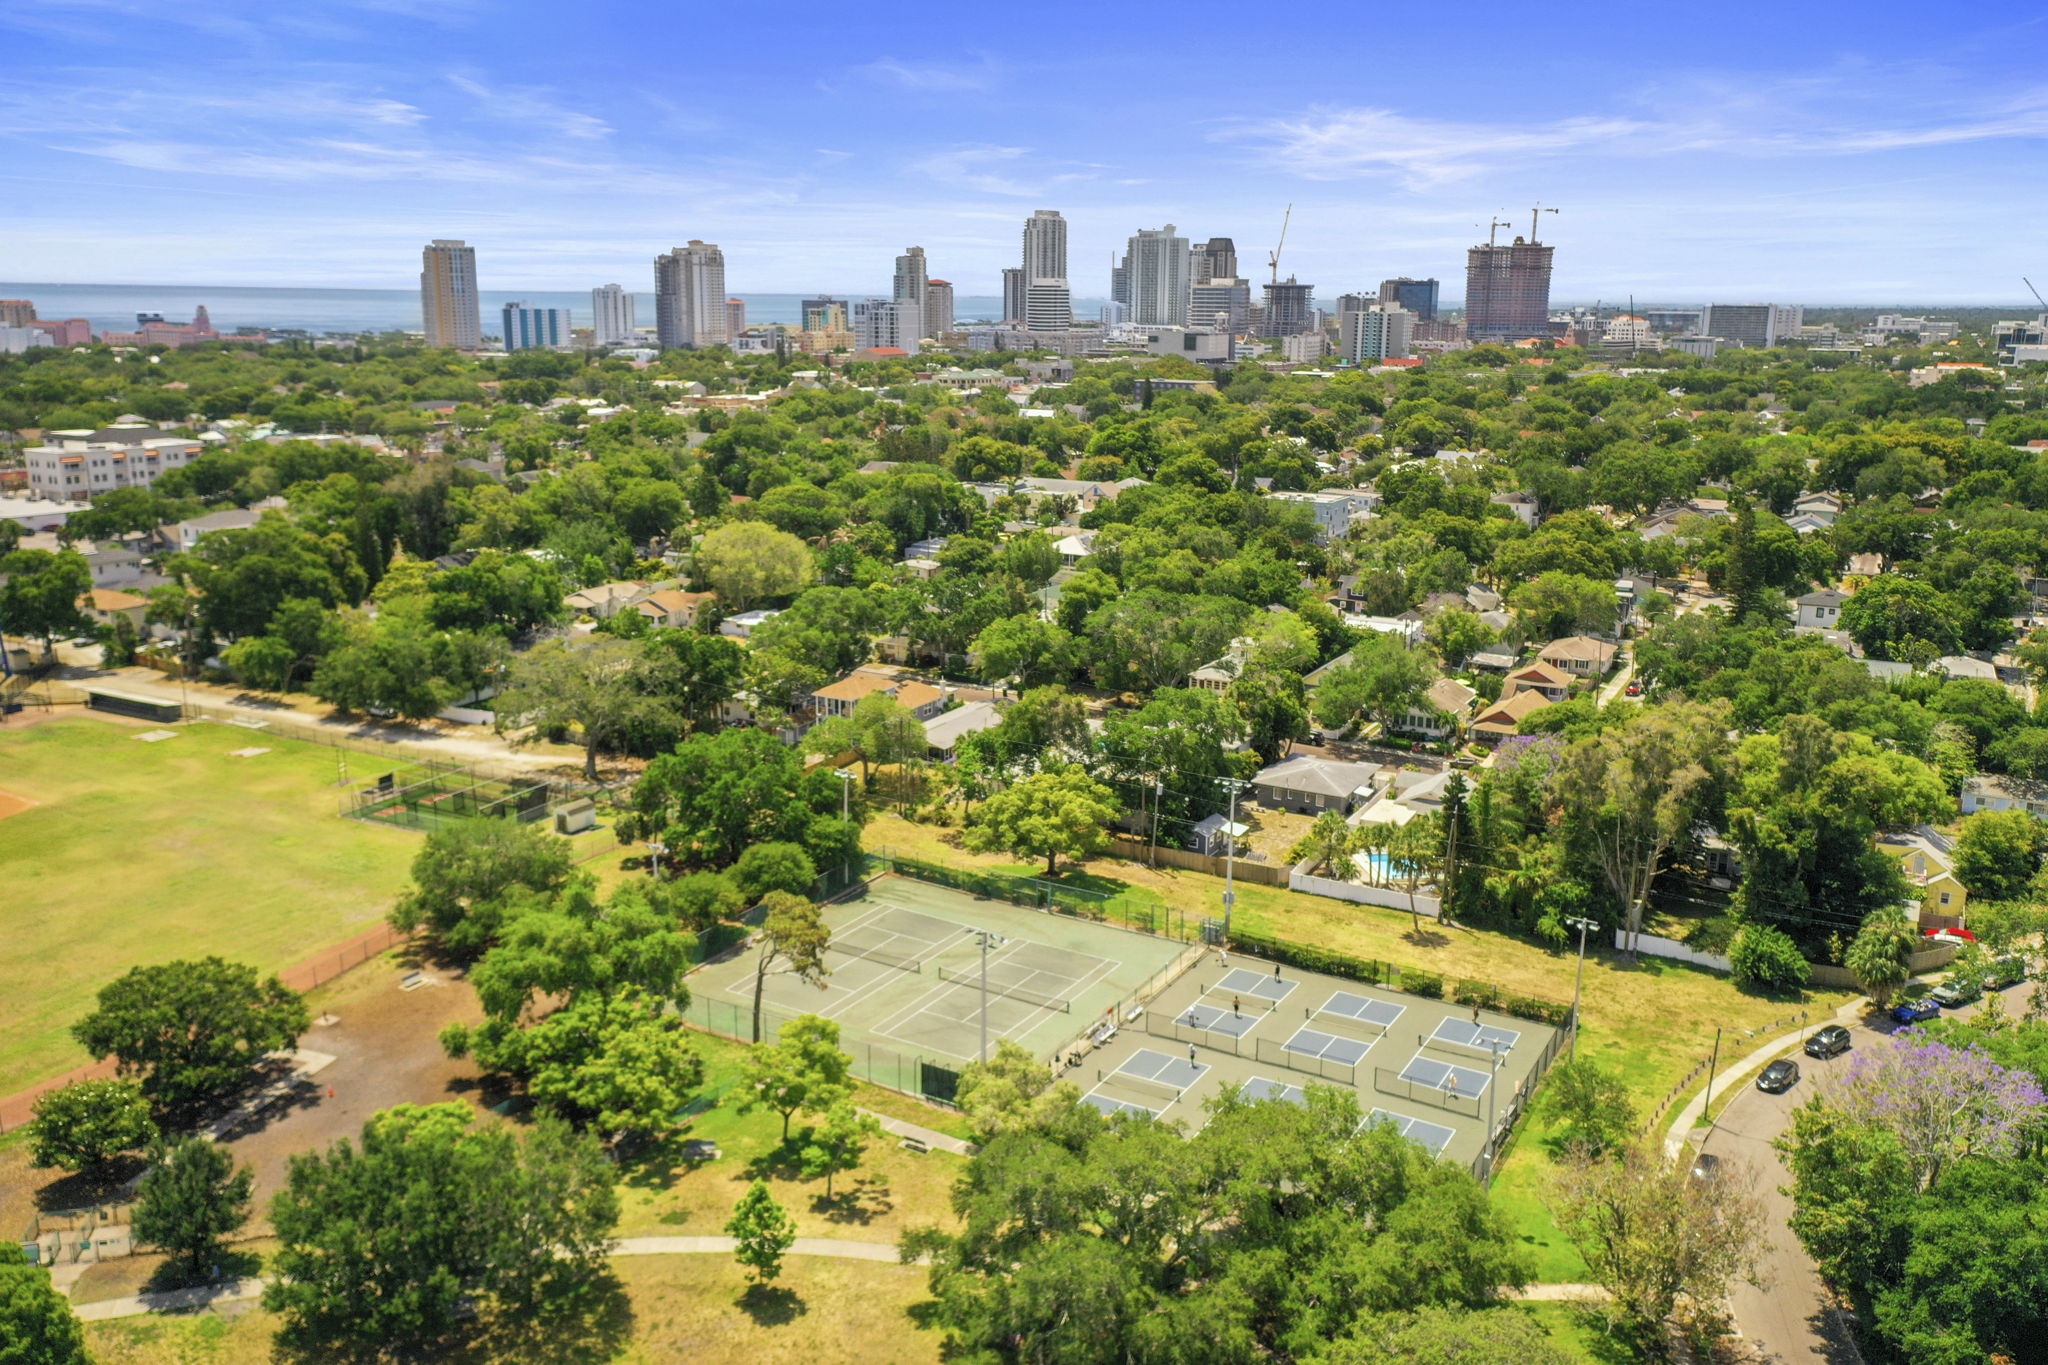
pixel 1808 151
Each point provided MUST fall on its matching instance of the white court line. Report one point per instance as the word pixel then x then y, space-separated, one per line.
pixel 745 985
pixel 938 988
pixel 923 1005
pixel 858 994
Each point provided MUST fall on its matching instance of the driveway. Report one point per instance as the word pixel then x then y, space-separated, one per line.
pixel 1790 1321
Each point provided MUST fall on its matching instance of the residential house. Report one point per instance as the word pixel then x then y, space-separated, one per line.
pixel 1869 564
pixel 1218 674
pixel 1443 711
pixel 185 534
pixel 1963 666
pixel 1996 791
pixel 944 731
pixel 743 625
pixel 1496 659
pixel 839 698
pixel 1311 785
pixel 1552 683
pixel 1582 656
pixel 1407 795
pixel 1665 520
pixel 1075 548
pixel 1334 510
pixel 107 605
pixel 606 600
pixel 1820 610
pixel 1214 834
pixel 1521 504
pixel 1504 718
pixel 671 607
pixel 1927 857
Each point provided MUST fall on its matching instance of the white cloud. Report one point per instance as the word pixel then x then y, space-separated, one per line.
pixel 928 77
pixel 530 106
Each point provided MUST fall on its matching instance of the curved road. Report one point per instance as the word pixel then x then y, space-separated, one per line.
pixel 1790 1321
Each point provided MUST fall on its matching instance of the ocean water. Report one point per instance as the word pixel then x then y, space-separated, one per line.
pixel 114 306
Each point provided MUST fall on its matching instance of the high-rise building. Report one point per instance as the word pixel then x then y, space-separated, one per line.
pixel 1290 308
pixel 689 295
pixel 448 298
pixel 1417 296
pixel 911 277
pixel 1120 280
pixel 1048 301
pixel 888 322
pixel 1354 303
pixel 1788 318
pixel 806 307
pixel 16 312
pixel 1221 303
pixel 938 307
pixel 1215 259
pixel 611 316
pixel 1507 291
pixel 1013 294
pixel 735 318
pixel 1742 324
pixel 1156 264
pixel 1380 331
pixel 1672 320
pixel 1114 313
pixel 528 328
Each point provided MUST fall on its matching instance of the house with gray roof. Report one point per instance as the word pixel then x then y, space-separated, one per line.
pixel 1310 785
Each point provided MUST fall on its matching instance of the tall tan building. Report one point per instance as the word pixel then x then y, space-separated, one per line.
pixel 448 297
pixel 689 296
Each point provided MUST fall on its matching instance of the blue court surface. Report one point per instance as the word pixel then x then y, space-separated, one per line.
pixel 1315 1043
pixel 1221 1018
pixel 1242 981
pixel 1481 1038
pixel 1460 1081
pixel 1149 1082
pixel 1260 1088
pixel 1380 1013
pixel 1433 1136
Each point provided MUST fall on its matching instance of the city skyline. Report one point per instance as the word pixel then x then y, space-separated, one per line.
pixel 1689 161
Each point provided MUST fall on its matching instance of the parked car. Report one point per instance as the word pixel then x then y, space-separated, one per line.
pixel 1634 689
pixel 1957 935
pixel 1913 1011
pixel 1831 1041
pixel 2001 972
pixel 1706 1166
pixel 1955 991
pixel 1779 1076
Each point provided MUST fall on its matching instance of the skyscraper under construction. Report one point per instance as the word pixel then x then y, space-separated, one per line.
pixel 1507 291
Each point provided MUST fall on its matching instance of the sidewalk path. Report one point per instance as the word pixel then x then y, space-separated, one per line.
pixel 937 1141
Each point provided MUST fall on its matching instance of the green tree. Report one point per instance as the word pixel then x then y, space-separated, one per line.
pixel 792 941
pixel 1446 1336
pixel 880 730
pixel 86 1124
pixel 37 1326
pixel 1384 679
pixel 717 794
pixel 39 592
pixel 191 1030
pixel 1767 959
pixel 1327 846
pixel 1593 1108
pixel 774 867
pixel 1033 651
pixel 395 1243
pixel 838 1143
pixel 1554 604
pixel 616 1063
pixel 1893 617
pixel 1273 707
pixel 1998 853
pixel 1011 1092
pixel 192 1201
pixel 748 561
pixel 1060 812
pixel 1880 956
pixel 1456 635
pixel 805 1069
pixel 466 873
pixel 763 1230
pixel 594 685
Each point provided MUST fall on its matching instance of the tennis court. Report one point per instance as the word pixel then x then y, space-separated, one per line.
pixel 1379 1014
pixel 1458 1082
pixel 1266 1088
pixel 1148 1082
pixel 1434 1136
pixel 1482 1040
pixel 1315 1043
pixel 905 978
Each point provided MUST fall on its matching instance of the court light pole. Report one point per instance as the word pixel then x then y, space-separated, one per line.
pixel 988 939
pixel 845 776
pixel 1492 1133
pixel 1581 924
pixel 1233 785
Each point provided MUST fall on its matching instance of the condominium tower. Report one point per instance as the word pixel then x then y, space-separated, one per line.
pixel 527 327
pixel 611 316
pixel 1013 294
pixel 689 296
pixel 1507 291
pixel 448 299
pixel 1156 267
pixel 1417 296
pixel 938 307
pixel 1215 259
pixel 1048 302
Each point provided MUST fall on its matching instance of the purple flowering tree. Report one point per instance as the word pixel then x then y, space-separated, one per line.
pixel 1941 1102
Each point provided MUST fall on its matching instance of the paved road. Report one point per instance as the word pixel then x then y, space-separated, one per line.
pixel 1788 1322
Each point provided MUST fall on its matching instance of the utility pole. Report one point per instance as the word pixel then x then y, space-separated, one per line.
pixel 845 776
pixel 1581 924
pixel 1158 796
pixel 1233 785
pixel 986 939
pixel 1713 1063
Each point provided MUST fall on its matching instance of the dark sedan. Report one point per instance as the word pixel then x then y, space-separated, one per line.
pixel 1779 1076
pixel 1831 1041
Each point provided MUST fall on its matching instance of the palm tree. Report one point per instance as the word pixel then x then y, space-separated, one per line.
pixel 1327 845
pixel 1367 841
pixel 1414 851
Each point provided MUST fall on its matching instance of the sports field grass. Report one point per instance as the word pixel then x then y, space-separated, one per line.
pixel 141 852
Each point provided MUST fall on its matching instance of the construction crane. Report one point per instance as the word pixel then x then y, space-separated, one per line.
pixel 1534 215
pixel 1493 227
pixel 2035 292
pixel 1274 259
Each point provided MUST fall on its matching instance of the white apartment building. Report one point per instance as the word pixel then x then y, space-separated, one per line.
pixel 912 278
pixel 75 465
pixel 1376 332
pixel 1334 509
pixel 1048 301
pixel 1156 264
pixel 888 322
pixel 531 328
pixel 689 295
pixel 611 316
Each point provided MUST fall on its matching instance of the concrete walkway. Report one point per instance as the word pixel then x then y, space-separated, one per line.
pixel 1734 1073
pixel 937 1141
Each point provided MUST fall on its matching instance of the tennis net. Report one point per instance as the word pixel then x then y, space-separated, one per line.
pixel 1043 1001
pixel 1139 1084
pixel 900 961
pixel 1345 1026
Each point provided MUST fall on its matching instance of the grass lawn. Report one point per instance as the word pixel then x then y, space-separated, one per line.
pixel 682 1308
pixel 893 1189
pixel 138 853
pixel 1650 1022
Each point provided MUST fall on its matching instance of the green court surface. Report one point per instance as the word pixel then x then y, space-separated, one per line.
pixel 906 979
